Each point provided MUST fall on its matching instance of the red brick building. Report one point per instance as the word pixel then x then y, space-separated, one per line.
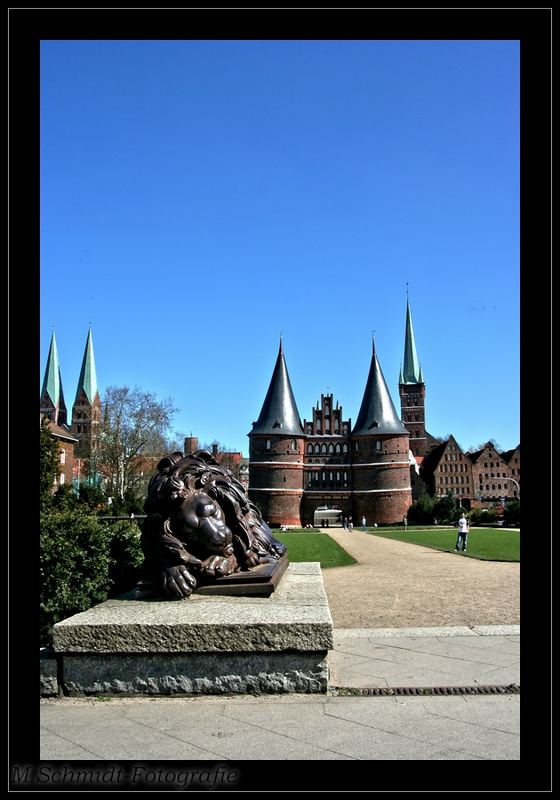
pixel 483 477
pixel 231 459
pixel 296 467
pixel 66 442
pixel 496 475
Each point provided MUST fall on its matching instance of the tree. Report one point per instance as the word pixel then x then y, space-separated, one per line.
pixel 49 460
pixel 133 435
pixel 446 509
pixel 498 448
pixel 422 510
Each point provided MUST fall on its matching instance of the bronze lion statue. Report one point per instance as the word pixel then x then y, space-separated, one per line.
pixel 200 525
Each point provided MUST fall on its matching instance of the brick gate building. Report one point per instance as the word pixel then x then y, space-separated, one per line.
pixel 295 467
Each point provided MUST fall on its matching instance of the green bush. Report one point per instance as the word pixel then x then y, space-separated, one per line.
pixel 512 513
pixel 484 516
pixel 125 556
pixel 83 561
pixel 446 509
pixel 74 566
pixel 49 460
pixel 421 511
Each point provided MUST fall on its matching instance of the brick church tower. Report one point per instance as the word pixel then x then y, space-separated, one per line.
pixel 276 452
pixel 52 397
pixel 86 411
pixel 412 390
pixel 380 465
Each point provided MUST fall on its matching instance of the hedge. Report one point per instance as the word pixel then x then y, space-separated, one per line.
pixel 83 561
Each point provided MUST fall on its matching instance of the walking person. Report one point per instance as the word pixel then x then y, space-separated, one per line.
pixel 463 533
pixel 350 524
pixel 364 524
pixel 405 522
pixel 345 523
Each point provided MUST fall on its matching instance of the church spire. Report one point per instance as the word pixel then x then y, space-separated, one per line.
pixel 52 397
pixel 279 413
pixel 377 413
pixel 87 381
pixel 411 371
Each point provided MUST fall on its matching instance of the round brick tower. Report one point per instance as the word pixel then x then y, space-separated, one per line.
pixel 380 466
pixel 276 452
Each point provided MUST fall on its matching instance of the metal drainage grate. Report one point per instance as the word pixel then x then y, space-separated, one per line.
pixel 389 691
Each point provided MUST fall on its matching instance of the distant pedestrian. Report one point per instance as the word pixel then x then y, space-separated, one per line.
pixel 405 522
pixel 364 524
pixel 345 523
pixel 463 533
pixel 350 524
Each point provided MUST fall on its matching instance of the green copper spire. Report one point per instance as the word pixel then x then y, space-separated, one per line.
pixel 87 381
pixel 412 372
pixel 52 386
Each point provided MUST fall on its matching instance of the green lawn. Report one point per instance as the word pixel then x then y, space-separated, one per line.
pixel 489 544
pixel 315 547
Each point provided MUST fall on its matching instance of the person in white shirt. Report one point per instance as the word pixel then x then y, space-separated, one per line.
pixel 463 533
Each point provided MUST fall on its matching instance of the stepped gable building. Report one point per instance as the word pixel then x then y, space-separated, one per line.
pixel 447 469
pixel 474 478
pixel 295 467
pixel 86 411
pixel 492 472
pixel 513 459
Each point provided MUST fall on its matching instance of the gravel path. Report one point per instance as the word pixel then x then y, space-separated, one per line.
pixel 396 585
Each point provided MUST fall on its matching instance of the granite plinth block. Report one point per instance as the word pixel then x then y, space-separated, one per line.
pixel 204 644
pixel 48 673
pixel 195 673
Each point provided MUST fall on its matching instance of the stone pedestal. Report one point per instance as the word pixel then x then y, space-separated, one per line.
pixel 204 645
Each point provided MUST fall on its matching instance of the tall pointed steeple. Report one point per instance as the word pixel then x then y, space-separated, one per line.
pixel 52 397
pixel 87 382
pixel 411 370
pixel 377 413
pixel 86 411
pixel 412 391
pixel 279 413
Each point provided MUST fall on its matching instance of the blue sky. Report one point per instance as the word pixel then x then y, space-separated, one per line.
pixel 200 198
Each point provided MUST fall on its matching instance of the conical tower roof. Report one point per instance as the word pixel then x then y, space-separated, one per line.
pixel 279 413
pixel 411 369
pixel 52 382
pixel 377 413
pixel 87 381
